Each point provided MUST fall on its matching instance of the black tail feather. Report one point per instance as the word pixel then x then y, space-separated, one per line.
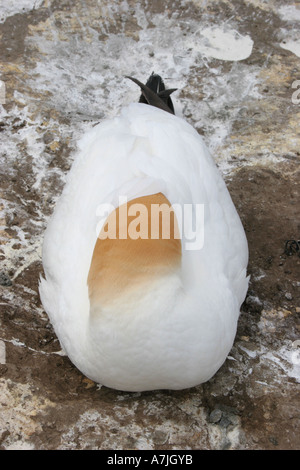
pixel 155 93
pixel 156 83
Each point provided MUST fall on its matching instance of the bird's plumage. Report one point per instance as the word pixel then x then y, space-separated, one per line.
pixel 128 319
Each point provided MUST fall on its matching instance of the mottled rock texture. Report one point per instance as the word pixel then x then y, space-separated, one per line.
pixel 235 64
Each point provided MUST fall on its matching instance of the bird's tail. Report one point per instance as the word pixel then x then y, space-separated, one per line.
pixel 156 83
pixel 155 93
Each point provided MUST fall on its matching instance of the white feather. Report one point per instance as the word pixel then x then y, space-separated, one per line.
pixel 177 332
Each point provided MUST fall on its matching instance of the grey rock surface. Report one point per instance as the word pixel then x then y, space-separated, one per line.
pixel 236 66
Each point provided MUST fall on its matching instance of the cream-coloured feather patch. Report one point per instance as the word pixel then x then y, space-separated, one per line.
pixel 139 242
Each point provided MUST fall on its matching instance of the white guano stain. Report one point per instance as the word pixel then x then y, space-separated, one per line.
pixel 289 13
pixel 292 45
pixel 224 43
pixel 12 7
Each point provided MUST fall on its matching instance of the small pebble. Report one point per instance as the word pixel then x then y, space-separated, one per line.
pixel 4 279
pixel 215 416
pixel 273 440
pixel 288 296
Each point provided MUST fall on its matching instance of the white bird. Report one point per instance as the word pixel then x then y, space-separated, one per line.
pixel 135 304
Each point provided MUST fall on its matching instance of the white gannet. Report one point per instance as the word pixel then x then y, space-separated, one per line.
pixel 145 256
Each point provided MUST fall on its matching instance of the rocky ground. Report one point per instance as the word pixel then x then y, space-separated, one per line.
pixel 236 65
